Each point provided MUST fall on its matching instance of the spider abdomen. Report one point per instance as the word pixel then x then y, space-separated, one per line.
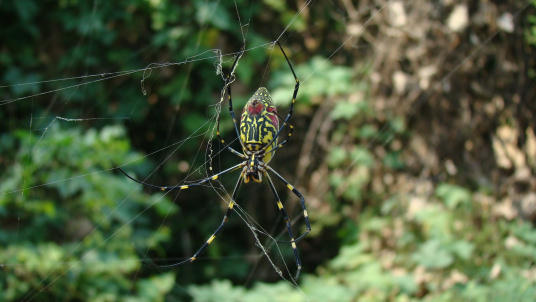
pixel 259 124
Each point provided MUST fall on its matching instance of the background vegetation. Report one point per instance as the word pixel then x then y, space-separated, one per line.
pixel 414 146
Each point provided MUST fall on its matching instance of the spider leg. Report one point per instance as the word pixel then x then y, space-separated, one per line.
pixel 206 244
pixel 183 187
pixel 286 139
pixel 228 81
pixel 232 112
pixel 302 201
pixel 235 125
pixel 235 152
pixel 287 222
pixel 291 108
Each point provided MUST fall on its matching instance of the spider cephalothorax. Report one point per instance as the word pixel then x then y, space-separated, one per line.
pixel 258 134
pixel 254 168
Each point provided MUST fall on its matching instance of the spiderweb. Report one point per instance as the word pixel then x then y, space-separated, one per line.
pixel 199 140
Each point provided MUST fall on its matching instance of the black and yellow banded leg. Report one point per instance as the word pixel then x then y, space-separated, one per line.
pixel 230 99
pixel 287 222
pixel 232 111
pixel 235 126
pixel 291 129
pixel 291 108
pixel 209 241
pixel 184 187
pixel 302 202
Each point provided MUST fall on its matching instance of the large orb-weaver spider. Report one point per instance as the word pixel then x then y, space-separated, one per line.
pixel 259 131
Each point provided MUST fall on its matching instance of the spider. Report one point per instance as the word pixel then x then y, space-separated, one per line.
pixel 258 135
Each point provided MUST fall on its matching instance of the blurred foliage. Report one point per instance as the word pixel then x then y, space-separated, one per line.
pixel 75 226
pixel 531 32
pixel 419 183
pixel 530 36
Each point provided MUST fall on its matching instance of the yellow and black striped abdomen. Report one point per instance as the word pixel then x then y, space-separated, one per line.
pixel 259 123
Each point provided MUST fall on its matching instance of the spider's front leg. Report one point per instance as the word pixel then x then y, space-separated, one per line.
pixel 183 187
pixel 227 86
pixel 290 109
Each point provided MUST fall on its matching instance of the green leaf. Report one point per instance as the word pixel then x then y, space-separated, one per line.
pixel 217 290
pixel 432 254
pixel 393 161
pixel 453 195
pixel 213 13
pixel 337 156
pixel 154 288
pixel 462 249
pixel 344 110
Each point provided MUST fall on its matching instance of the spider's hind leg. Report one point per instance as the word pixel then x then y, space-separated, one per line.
pixel 209 241
pixel 287 222
pixel 302 202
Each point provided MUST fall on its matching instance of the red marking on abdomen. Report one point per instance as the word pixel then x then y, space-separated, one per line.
pixel 255 108
pixel 273 116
